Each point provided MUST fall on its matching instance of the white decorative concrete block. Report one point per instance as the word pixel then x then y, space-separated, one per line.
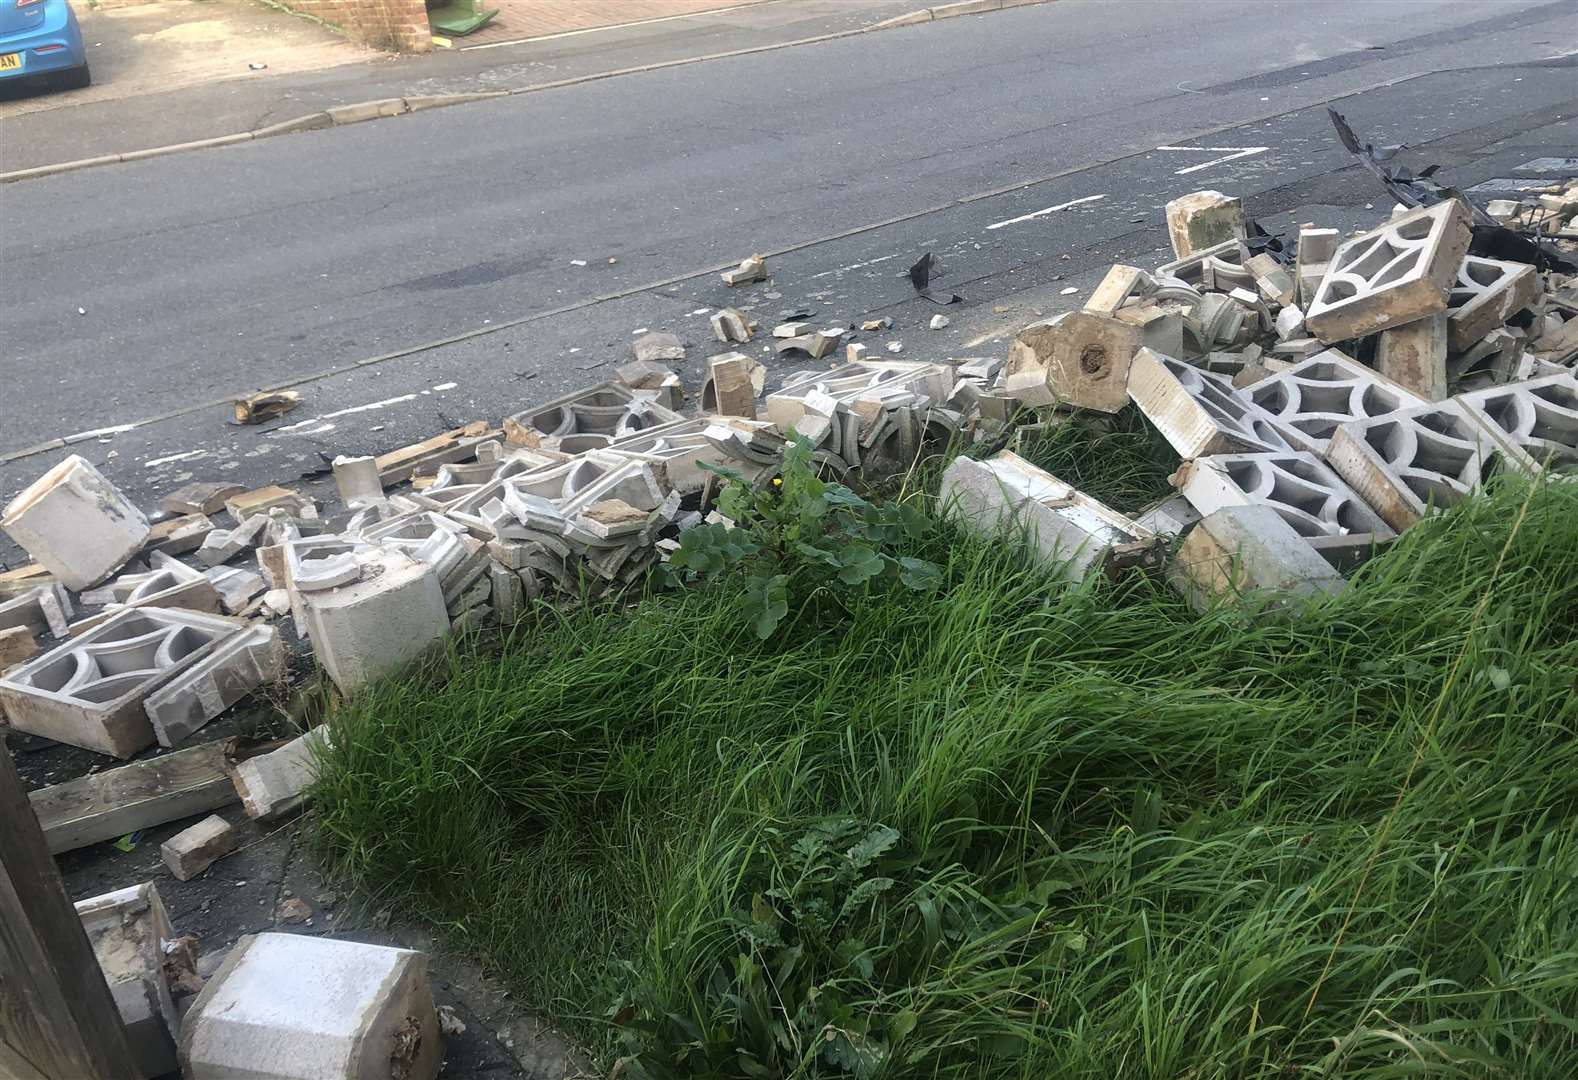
pixel 1535 421
pixel 237 666
pixel 76 524
pixel 1410 462
pixel 1486 293
pixel 90 691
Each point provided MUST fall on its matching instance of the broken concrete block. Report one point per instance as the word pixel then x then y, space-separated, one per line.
pixel 733 381
pixel 16 645
pixel 587 419
pixel 76 524
pixel 1275 283
pixel 235 668
pixel 1198 412
pixel 236 586
pixel 200 497
pixel 791 329
pixel 191 851
pixel 1316 248
pixel 128 929
pixel 1308 495
pixel 939 321
pixel 357 480
pixel 750 270
pixel 297 1007
pixel 1120 283
pixel 179 535
pixel 1392 275
pixel 1168 517
pixel 657 348
pixel 1218 267
pixel 1404 464
pixel 1486 293
pixel 89 692
pixel 43 609
pixel 274 784
pixel 1204 219
pixel 730 325
pixel 1290 322
pixel 253 503
pixel 1536 421
pixel 1414 356
pixel 1249 552
pixel 222 545
pixel 1161 329
pixel 654 380
pixel 1006 495
pixel 855 352
pixel 1314 396
pixel 370 627
pixel 1075 359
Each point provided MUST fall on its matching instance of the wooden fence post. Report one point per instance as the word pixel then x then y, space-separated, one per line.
pixel 57 1018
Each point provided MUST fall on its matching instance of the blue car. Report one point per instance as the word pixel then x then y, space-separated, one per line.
pixel 41 37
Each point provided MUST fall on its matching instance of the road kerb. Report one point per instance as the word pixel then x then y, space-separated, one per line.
pixel 310 122
pixel 178 148
pixel 948 11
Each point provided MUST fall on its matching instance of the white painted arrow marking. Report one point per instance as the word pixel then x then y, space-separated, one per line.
pixel 1047 210
pixel 1229 153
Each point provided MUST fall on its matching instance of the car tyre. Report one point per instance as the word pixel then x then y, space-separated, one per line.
pixel 77 78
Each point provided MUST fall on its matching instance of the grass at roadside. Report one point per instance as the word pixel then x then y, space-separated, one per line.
pixel 1016 829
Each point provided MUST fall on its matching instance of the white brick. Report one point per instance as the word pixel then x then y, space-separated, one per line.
pixel 191 851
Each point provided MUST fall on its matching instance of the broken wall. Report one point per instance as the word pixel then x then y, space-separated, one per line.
pixel 396 25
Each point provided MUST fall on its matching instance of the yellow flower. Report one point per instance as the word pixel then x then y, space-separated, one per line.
pixel 778 481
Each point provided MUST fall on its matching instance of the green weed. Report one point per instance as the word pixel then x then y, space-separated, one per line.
pixel 1011 828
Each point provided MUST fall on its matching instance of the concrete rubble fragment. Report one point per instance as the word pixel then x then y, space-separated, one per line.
pixel 1204 219
pixel 1249 553
pixel 656 348
pixel 1077 359
pixel 193 850
pixel 750 270
pixel 128 929
pixel 296 1007
pixel 275 784
pixel 730 326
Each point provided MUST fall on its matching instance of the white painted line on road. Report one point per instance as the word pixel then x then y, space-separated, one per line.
pixel 96 433
pixel 1236 152
pixel 154 463
pixel 852 266
pixel 1048 210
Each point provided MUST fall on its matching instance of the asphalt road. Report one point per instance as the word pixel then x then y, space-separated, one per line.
pixel 207 274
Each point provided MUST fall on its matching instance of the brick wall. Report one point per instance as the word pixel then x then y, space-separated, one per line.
pixel 397 25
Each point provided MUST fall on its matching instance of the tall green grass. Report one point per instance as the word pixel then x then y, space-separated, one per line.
pixel 1016 829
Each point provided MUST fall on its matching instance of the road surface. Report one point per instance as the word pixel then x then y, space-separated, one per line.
pixel 544 229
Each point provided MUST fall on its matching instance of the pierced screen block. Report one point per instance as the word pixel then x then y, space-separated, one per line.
pixel 1315 396
pixel 1392 275
pixel 1303 491
pixel 1536 421
pixel 1198 412
pixel 1408 463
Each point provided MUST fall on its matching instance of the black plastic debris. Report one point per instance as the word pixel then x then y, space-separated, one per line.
pixel 926 268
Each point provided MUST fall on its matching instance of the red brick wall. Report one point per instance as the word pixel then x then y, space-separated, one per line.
pixel 398 25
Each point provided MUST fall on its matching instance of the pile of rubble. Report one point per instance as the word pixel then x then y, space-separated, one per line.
pixel 1322 396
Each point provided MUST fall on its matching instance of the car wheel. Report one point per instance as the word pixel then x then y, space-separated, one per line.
pixel 77 78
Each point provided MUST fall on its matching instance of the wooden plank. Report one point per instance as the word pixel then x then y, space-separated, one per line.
pixel 456 445
pixel 118 801
pixel 56 1013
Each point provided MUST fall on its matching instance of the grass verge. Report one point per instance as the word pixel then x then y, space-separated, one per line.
pixel 1016 829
